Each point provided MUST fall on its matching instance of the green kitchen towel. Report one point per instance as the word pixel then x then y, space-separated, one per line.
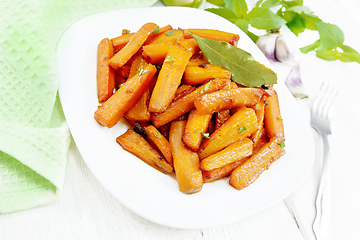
pixel 34 137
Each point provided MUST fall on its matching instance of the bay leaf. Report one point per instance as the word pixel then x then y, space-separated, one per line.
pixel 244 69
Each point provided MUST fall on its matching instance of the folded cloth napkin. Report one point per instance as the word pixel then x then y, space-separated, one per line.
pixel 34 138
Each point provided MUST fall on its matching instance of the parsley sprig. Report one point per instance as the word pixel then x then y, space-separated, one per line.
pixel 296 17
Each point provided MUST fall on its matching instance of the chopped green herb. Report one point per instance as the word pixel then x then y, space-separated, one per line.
pixel 205 88
pixel 169 59
pixel 170 33
pixel 205 135
pixel 282 144
pixel 142 71
pixel 280 118
pixel 156 30
pixel 120 85
pixel 242 129
pixel 159 135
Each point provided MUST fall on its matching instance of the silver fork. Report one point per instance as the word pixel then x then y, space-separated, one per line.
pixel 320 120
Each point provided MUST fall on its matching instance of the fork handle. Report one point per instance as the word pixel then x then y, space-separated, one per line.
pixel 322 223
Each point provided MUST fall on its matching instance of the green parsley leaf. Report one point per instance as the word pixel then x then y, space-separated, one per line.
pixel 225 13
pixel 142 71
pixel 239 7
pixel 156 30
pixel 242 129
pixel 280 118
pixel 158 135
pixel 331 35
pixel 120 85
pixel 245 70
pixel 264 18
pixel 205 135
pixel 217 2
pixel 311 47
pixel 282 144
pixel 169 59
pixel 169 33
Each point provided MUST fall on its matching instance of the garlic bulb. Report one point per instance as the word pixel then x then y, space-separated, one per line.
pixel 282 50
pixel 266 44
pixel 274 47
pixel 294 83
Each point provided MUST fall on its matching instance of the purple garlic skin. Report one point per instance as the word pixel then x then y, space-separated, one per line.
pixel 294 83
pixel 266 44
pixel 275 48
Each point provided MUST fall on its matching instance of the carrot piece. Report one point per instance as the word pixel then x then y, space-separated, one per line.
pixel 196 126
pixel 260 113
pixel 124 71
pixel 273 121
pixel 198 59
pixel 155 33
pixel 137 63
pixel 199 74
pixel 222 172
pixel 231 153
pixel 227 99
pixel 169 78
pixel 186 103
pixel 135 43
pixel 250 170
pixel 168 36
pixel 214 35
pixel 186 162
pixel 221 117
pixel 239 126
pixel 156 52
pixel 183 90
pixel 119 80
pixel 139 112
pixel 105 74
pixel 137 145
pixel 120 41
pixel 114 108
pixel 156 138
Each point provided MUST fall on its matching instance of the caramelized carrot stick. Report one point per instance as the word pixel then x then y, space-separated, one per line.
pixel 186 162
pixel 239 126
pixel 169 78
pixel 120 41
pixel 139 112
pixel 156 52
pixel 250 170
pixel 196 127
pixel 273 121
pixel 156 138
pixel 137 145
pixel 214 35
pixel 227 99
pixel 196 75
pixel 115 107
pixel 186 103
pixel 105 74
pixel 232 153
pixel 135 43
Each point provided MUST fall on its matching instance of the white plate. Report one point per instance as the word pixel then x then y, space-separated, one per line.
pixel 144 190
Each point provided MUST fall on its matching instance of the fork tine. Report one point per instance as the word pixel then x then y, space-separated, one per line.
pixel 329 105
pixel 323 103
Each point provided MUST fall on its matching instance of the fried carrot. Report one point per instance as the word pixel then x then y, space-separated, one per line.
pixel 135 43
pixel 105 74
pixel 169 78
pixel 115 107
